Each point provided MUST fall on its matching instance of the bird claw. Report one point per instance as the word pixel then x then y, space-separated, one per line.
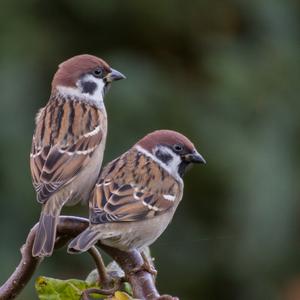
pixel 149 268
pixel 146 266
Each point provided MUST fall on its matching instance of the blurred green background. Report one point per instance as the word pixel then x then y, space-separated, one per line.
pixel 226 74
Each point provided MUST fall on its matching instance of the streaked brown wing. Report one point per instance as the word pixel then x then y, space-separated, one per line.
pixel 52 167
pixel 126 203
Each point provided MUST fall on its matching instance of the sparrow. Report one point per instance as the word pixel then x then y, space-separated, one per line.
pixel 137 194
pixel 69 141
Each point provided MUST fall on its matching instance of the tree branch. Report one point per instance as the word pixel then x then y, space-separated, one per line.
pixel 141 281
pixel 103 276
pixel 19 278
pixel 68 227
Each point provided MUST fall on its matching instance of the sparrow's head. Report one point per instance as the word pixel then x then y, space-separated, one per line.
pixel 171 149
pixel 84 76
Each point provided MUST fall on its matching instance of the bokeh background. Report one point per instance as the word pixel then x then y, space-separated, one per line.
pixel 226 74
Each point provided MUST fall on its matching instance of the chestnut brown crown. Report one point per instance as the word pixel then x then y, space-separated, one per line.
pixel 175 141
pixel 75 67
pixel 166 138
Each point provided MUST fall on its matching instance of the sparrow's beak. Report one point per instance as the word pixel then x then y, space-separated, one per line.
pixel 114 75
pixel 194 157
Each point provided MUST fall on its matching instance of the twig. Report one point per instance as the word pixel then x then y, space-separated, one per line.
pixel 141 281
pixel 19 278
pixel 69 227
pixel 107 292
pixel 104 278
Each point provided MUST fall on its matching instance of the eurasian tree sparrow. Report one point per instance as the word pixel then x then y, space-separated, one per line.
pixel 69 141
pixel 136 195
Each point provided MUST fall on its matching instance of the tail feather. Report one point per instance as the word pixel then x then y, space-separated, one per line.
pixel 46 232
pixel 84 241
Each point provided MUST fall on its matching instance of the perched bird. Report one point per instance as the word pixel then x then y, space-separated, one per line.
pixel 69 141
pixel 137 194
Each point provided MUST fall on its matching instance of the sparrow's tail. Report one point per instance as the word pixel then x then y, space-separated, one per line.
pixel 84 241
pixel 46 232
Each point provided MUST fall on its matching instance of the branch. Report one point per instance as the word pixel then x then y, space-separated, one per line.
pixel 141 281
pixel 69 227
pixel 103 277
pixel 19 278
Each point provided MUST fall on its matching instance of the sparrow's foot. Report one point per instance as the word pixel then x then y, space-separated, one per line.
pixel 146 266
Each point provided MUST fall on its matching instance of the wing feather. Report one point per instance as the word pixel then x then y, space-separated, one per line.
pixel 116 199
pixel 61 166
pixel 57 156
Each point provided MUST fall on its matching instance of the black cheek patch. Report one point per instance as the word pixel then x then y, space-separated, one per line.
pixel 89 87
pixel 164 157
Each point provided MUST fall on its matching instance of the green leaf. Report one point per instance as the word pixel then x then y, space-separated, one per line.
pixel 56 289
pixel 121 296
pixel 127 288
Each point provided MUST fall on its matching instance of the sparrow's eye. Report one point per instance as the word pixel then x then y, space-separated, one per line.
pixel 98 72
pixel 178 148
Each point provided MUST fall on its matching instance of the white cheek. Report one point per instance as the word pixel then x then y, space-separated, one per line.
pixel 97 96
pixel 174 163
pixel 76 92
pixel 171 167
